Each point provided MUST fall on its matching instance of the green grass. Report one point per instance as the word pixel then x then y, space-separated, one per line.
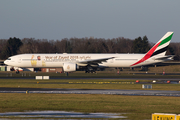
pixel 85 84
pixel 136 107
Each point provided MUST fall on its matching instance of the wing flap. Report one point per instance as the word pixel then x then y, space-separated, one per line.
pixel 95 61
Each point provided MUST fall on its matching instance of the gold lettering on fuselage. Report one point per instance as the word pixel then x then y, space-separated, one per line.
pixel 65 58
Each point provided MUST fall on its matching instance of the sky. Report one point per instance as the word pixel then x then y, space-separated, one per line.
pixel 58 19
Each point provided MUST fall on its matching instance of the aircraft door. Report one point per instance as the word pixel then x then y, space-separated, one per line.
pixel 19 60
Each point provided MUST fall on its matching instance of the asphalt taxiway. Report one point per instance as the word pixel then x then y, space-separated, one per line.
pixel 91 91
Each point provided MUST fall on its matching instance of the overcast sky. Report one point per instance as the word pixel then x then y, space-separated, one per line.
pixel 58 19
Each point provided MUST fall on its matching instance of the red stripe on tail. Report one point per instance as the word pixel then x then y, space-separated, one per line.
pixel 148 55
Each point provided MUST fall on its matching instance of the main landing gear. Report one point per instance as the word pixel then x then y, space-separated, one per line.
pixel 90 69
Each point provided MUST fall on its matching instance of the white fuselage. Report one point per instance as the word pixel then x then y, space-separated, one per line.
pixel 57 60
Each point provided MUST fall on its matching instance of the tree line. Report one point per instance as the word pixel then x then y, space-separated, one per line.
pixel 14 46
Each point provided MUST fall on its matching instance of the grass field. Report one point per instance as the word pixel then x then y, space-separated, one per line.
pixel 135 107
pixel 85 84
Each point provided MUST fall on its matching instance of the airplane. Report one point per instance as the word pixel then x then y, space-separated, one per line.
pixel 90 62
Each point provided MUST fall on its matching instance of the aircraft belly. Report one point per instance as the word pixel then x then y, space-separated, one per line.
pixel 148 63
pixel 54 64
pixel 40 64
pixel 118 64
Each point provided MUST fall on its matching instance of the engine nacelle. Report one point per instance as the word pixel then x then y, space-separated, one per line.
pixel 70 67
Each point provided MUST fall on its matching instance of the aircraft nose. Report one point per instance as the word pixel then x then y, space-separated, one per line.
pixel 5 62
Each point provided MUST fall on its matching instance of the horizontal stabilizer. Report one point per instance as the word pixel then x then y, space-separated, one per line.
pixel 165 57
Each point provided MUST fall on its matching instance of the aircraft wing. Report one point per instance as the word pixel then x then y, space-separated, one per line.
pixel 95 61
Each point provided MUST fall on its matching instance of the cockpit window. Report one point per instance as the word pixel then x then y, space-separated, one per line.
pixel 9 59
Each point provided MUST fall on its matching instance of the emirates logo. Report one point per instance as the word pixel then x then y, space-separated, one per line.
pixel 68 67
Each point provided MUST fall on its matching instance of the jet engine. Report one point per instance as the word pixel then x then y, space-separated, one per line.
pixel 70 67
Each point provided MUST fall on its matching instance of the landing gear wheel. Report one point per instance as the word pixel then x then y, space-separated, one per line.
pixel 17 71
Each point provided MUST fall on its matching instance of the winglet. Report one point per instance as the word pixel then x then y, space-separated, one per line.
pixel 159 48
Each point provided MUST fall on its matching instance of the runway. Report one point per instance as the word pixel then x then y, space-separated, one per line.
pixel 91 91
